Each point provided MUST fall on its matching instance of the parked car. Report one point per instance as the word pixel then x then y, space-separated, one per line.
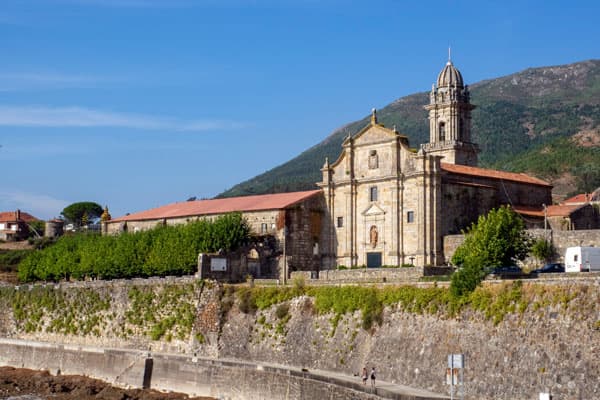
pixel 550 268
pixel 506 271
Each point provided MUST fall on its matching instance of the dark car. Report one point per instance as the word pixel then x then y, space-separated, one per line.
pixel 549 268
pixel 506 271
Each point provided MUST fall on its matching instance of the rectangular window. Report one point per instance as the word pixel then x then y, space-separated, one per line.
pixel 263 228
pixel 340 222
pixel 410 216
pixel 373 193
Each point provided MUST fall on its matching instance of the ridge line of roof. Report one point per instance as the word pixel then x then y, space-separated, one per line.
pixel 152 214
pixel 512 176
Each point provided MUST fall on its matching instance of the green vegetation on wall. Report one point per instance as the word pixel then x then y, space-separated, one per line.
pixel 493 302
pixel 168 313
pixel 165 250
pixel 43 309
pixel 157 312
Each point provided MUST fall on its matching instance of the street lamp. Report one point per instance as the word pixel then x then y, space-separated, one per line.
pixel 545 221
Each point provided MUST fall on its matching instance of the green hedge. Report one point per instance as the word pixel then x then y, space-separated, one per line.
pixel 165 250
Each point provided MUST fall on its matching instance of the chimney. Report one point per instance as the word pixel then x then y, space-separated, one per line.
pixel 18 214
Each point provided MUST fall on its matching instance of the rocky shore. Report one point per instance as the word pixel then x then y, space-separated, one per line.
pixel 21 384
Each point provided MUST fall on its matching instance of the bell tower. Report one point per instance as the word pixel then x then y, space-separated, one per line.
pixel 450 119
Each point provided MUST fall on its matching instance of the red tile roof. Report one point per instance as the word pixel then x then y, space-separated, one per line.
pixel 563 210
pixel 529 211
pixel 11 216
pixel 220 206
pixel 580 198
pixel 492 173
pixel 551 211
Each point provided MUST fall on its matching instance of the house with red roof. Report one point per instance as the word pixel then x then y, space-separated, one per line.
pixel 294 220
pixel 14 225
pixel 584 198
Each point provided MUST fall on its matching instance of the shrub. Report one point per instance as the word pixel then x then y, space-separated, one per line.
pixel 282 311
pixel 542 250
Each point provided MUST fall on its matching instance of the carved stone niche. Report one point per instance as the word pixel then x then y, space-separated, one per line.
pixel 373 160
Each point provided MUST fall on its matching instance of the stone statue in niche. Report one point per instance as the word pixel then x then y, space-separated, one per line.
pixel 373 236
pixel 373 160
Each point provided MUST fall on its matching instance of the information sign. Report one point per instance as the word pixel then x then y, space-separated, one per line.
pixel 218 264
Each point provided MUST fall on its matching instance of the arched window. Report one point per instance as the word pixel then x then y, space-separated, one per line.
pixel 461 129
pixel 442 132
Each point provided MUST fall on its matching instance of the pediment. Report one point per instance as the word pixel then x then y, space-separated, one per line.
pixel 373 133
pixel 373 209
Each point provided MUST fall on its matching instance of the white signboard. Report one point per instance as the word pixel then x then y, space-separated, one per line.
pixel 545 396
pixel 218 264
pixel 456 361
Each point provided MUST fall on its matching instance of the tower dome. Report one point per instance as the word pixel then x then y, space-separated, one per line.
pixel 450 76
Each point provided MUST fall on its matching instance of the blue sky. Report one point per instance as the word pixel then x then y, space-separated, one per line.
pixel 139 103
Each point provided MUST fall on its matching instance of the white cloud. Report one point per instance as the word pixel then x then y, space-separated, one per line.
pixel 38 205
pixel 80 117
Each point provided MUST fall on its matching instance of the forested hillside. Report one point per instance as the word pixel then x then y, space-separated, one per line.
pixel 544 121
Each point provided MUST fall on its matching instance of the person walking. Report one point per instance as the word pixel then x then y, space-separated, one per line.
pixel 364 375
pixel 373 377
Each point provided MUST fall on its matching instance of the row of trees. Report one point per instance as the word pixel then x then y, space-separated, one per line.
pixel 165 250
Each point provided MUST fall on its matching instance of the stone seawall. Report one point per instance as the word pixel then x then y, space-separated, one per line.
pixel 224 379
pixel 551 340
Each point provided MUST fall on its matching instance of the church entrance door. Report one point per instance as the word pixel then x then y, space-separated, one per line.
pixel 373 260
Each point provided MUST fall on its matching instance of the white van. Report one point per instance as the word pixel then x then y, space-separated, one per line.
pixel 582 259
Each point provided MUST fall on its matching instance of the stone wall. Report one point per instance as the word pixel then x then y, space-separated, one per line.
pixel 514 358
pixel 361 275
pixel 560 240
pixel 194 375
pixel 113 326
pixel 464 203
pixel 304 240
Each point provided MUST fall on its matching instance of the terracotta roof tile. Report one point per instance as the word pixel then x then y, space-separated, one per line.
pixel 580 198
pixel 563 210
pixel 11 216
pixel 551 211
pixel 529 211
pixel 492 173
pixel 220 206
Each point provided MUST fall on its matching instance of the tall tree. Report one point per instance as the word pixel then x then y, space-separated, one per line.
pixel 75 212
pixel 497 239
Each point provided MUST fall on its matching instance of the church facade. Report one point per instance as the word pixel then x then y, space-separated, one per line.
pixel 389 204
pixel 381 202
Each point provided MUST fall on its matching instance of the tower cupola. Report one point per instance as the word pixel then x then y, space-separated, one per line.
pixel 450 76
pixel 450 118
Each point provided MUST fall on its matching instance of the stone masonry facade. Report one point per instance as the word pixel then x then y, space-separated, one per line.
pixel 388 204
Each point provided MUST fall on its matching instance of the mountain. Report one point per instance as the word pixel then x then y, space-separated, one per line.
pixel 543 121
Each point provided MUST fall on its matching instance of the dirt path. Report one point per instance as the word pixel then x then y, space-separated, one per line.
pixel 23 382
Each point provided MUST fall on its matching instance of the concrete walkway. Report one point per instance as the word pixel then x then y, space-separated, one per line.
pixel 383 390
pixel 128 367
